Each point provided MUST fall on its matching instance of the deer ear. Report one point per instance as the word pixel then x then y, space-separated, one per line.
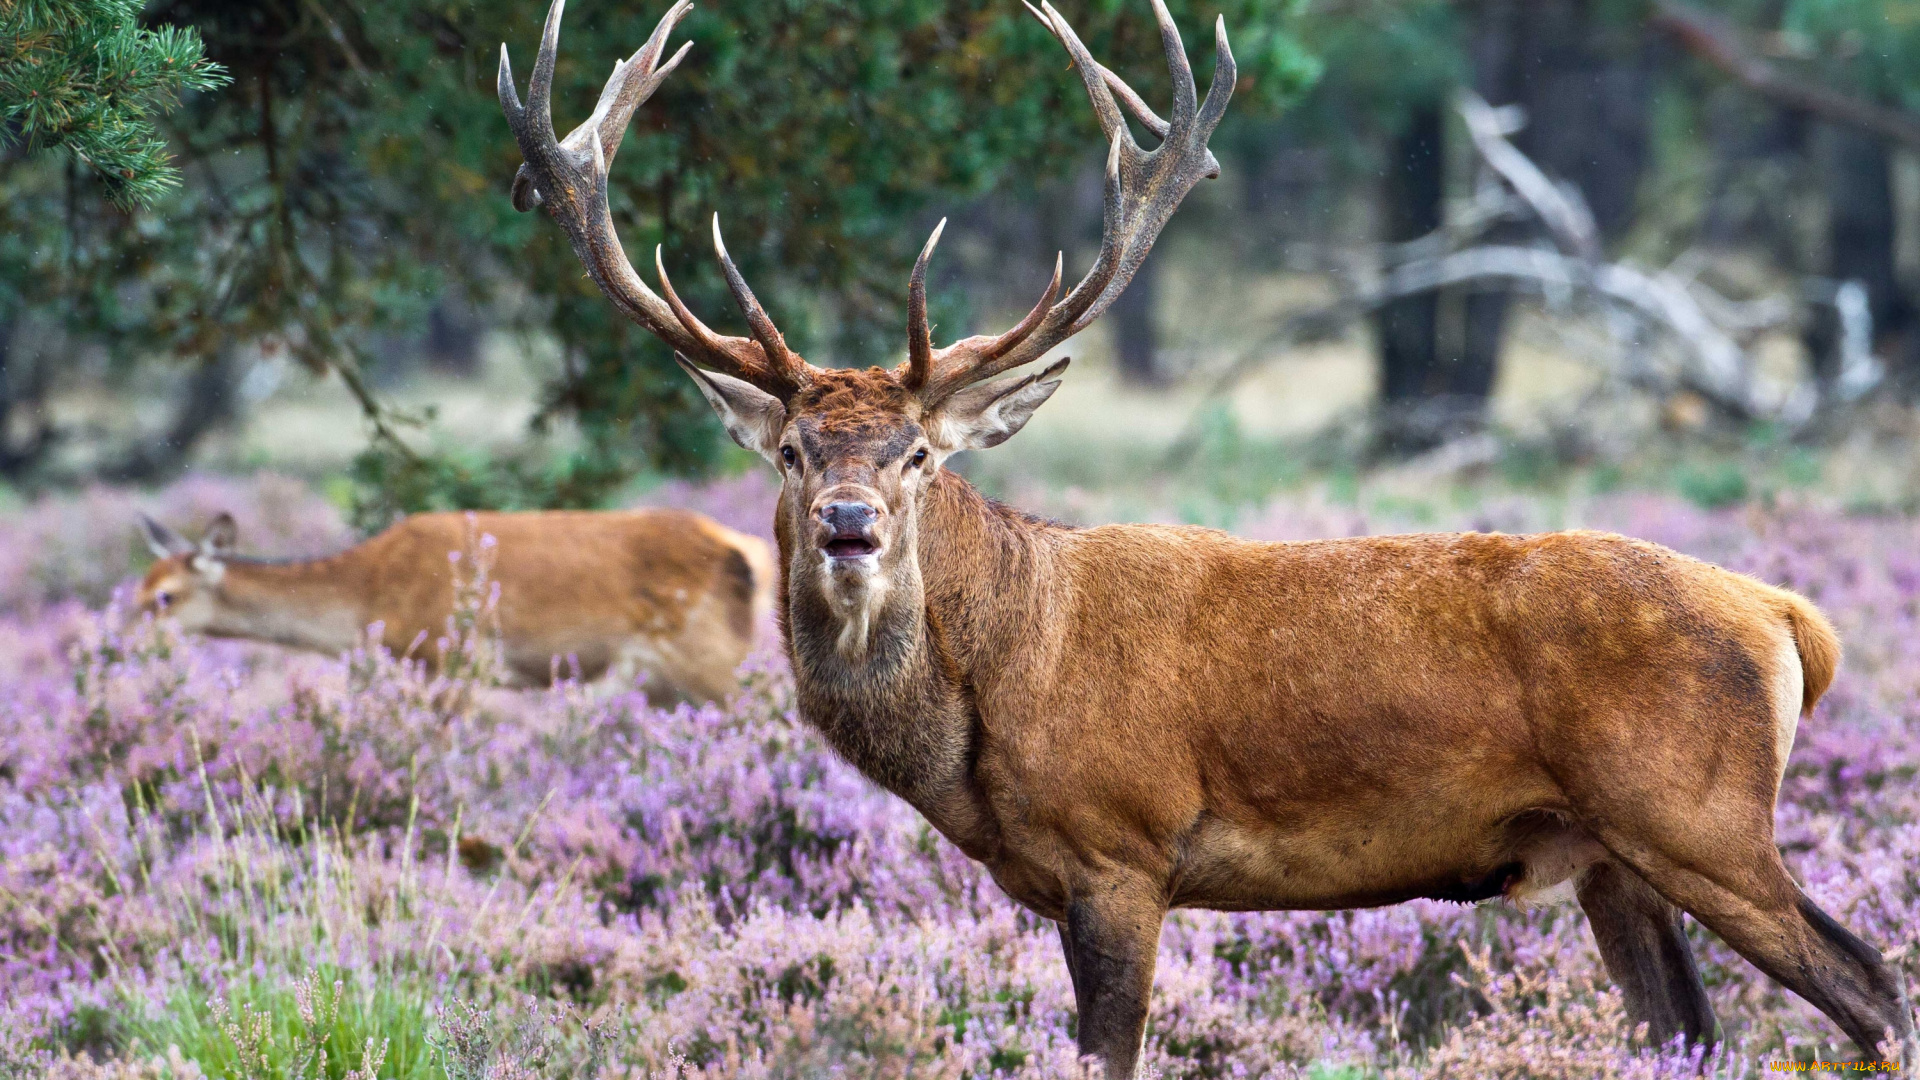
pixel 752 416
pixel 990 413
pixel 162 541
pixel 220 536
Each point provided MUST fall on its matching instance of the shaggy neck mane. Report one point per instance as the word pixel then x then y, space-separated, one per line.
pixel 903 710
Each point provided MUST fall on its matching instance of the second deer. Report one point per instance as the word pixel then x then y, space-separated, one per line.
pixel 666 594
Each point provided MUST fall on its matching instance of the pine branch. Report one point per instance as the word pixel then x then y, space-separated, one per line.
pixel 1718 43
pixel 85 76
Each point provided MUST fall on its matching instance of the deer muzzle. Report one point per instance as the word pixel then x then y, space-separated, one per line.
pixel 845 529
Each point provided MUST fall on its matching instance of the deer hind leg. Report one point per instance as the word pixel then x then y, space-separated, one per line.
pixel 1727 874
pixel 1111 936
pixel 1646 952
pixel 1764 916
pixel 1686 802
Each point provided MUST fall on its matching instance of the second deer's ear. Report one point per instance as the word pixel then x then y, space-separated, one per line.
pixel 990 413
pixel 162 541
pixel 752 416
pixel 220 536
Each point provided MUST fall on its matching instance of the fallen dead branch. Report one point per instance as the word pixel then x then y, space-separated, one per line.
pixel 1647 312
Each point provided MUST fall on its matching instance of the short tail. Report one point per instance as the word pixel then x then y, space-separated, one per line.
pixel 1819 648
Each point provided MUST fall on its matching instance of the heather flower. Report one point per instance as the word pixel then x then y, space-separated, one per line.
pixel 218 857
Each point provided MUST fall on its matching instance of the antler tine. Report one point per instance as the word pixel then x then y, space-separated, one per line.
pixel 746 366
pixel 1185 95
pixel 780 362
pixel 540 90
pixel 919 333
pixel 570 179
pixel 1120 141
pixel 1112 260
pixel 1142 191
pixel 509 95
pixel 1220 88
pixel 680 310
pixel 525 197
pixel 1134 103
pixel 633 81
pixel 1128 97
pixel 997 347
pixel 1048 323
pixel 926 371
pixel 1084 63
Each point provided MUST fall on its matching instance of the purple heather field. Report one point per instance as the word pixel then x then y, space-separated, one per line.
pixel 222 860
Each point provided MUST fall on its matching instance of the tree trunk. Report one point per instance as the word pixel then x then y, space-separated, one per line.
pixel 454 334
pixel 1587 89
pixel 1412 382
pixel 1483 326
pixel 11 464
pixel 1856 169
pixel 1587 92
pixel 25 433
pixel 1135 339
pixel 208 401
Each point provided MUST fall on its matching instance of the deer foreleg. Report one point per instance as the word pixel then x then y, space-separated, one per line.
pixel 1111 935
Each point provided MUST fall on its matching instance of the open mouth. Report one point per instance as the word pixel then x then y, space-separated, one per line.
pixel 850 547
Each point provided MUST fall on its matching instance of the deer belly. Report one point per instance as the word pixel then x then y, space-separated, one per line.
pixel 534 659
pixel 1327 865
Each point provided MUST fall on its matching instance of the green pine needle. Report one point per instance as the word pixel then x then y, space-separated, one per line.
pixel 85 76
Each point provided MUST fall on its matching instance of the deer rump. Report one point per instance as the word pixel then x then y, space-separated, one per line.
pixel 1360 722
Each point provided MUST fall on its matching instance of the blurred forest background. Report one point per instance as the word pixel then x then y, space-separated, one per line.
pixel 1485 243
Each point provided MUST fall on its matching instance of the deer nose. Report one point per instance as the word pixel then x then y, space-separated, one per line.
pixel 848 518
pixel 849 529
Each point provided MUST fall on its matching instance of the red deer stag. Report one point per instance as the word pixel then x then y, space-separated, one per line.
pixel 1126 719
pixel 661 592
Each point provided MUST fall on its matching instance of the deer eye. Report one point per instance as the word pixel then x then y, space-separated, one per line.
pixel 919 459
pixel 787 455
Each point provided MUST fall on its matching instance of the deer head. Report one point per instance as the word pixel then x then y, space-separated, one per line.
pixel 857 449
pixel 183 583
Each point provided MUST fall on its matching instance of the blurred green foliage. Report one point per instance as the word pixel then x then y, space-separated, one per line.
pixel 1383 59
pixel 82 82
pixel 1711 486
pixel 1871 47
pixel 357 169
pixel 821 131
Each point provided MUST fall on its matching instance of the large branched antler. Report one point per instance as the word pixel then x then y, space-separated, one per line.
pixel 1143 188
pixel 569 177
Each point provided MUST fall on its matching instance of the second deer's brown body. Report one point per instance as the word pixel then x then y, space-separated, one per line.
pixel 664 593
